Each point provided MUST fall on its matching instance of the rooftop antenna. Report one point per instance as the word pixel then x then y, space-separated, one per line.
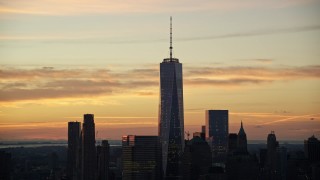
pixel 170 38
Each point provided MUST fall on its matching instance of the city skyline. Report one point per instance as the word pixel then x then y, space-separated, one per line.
pixel 59 63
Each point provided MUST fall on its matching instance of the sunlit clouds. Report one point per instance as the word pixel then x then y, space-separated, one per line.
pixel 127 99
pixel 50 83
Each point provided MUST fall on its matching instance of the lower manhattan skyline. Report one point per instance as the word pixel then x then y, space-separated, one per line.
pixel 258 60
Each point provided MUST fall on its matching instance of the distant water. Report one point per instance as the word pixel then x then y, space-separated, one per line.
pixel 28 144
pixel 2 146
pixel 16 144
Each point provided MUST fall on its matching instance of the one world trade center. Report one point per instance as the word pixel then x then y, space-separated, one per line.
pixel 171 116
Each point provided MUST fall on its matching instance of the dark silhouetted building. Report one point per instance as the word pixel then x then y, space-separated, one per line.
pixel 281 167
pixel 232 143
pixel 200 135
pixel 196 159
pixel 263 158
pixel 141 157
pixel 217 130
pixel 103 159
pixel 74 129
pixel 115 166
pixel 272 145
pixel 242 166
pixel 312 149
pixel 275 159
pixel 242 141
pixel 5 165
pixel 203 131
pixel 171 117
pixel 88 149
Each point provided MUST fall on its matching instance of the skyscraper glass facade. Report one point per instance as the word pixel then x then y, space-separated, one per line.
pixel 171 120
pixel 217 129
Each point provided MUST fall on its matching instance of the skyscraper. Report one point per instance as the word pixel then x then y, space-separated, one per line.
pixel 232 143
pixel 103 158
pixel 88 148
pixel 271 160
pixel 217 129
pixel 141 157
pixel 242 141
pixel 171 117
pixel 74 129
pixel 272 145
pixel 312 149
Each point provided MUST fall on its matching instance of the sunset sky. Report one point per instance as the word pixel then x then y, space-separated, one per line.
pixel 60 59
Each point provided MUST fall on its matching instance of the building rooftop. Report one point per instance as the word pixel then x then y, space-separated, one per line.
pixel 170 60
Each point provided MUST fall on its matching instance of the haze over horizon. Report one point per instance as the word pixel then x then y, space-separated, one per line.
pixel 63 59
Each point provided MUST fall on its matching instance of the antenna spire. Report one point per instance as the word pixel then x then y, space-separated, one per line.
pixel 170 38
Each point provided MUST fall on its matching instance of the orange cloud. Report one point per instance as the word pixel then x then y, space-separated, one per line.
pixel 49 83
pixel 257 72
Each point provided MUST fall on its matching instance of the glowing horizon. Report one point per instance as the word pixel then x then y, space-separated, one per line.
pixel 63 59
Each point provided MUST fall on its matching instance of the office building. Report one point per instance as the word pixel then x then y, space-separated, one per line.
pixel 312 149
pixel 217 130
pixel 232 143
pixel 171 120
pixel 88 149
pixel 272 145
pixel 141 157
pixel 275 158
pixel 196 159
pixel 74 129
pixel 103 159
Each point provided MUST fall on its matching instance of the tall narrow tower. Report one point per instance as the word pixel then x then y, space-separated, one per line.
pixel 74 129
pixel 171 120
pixel 88 148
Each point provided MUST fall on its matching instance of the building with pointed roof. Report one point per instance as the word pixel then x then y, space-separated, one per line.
pixel 242 141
